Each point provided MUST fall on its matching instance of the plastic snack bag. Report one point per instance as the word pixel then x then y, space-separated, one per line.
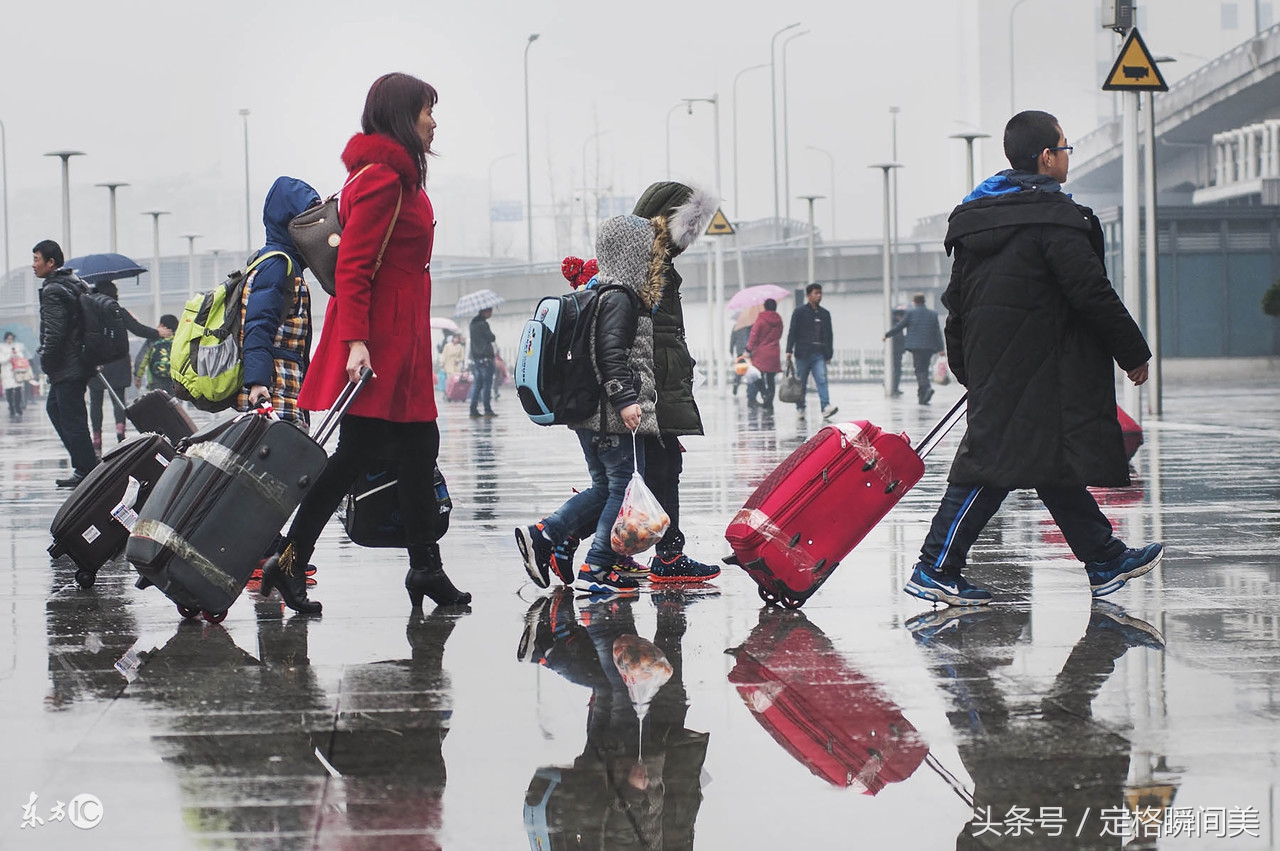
pixel 641 523
pixel 644 669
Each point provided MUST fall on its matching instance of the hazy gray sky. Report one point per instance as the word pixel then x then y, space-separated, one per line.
pixel 151 92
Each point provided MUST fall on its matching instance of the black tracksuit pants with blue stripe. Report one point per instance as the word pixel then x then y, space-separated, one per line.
pixel 966 510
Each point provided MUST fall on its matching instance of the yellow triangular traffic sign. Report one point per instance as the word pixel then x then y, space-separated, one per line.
pixel 1135 70
pixel 719 225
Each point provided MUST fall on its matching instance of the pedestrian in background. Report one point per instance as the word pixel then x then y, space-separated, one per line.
pixel 15 372
pixel 764 347
pixel 152 364
pixel 61 357
pixel 277 309
pixel 117 372
pixel 452 357
pixel 379 320
pixel 737 348
pixel 810 340
pixel 1033 326
pixel 919 328
pixel 482 368
pixel 898 350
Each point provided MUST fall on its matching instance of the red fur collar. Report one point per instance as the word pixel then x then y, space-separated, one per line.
pixel 366 148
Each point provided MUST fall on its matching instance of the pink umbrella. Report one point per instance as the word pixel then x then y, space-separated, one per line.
pixel 445 324
pixel 756 295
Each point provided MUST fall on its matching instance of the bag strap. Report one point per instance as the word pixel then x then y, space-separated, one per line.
pixel 396 215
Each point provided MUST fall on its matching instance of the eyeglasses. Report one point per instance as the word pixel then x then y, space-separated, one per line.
pixel 1066 148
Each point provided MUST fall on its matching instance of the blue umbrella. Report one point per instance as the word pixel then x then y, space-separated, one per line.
pixel 96 268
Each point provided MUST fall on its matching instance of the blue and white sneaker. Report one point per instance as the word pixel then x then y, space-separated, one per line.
pixel 1107 577
pixel 604 580
pixel 536 551
pixel 928 584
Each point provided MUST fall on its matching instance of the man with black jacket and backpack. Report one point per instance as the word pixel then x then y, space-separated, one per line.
pixel 61 340
pixel 1033 327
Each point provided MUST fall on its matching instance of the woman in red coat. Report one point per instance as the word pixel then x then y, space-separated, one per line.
pixel 379 318
pixel 762 348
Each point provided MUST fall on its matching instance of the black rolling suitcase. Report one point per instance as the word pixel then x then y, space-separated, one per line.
pixel 221 502
pixel 93 525
pixel 156 411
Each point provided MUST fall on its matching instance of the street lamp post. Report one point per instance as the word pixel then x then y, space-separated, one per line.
pixel 811 278
pixel 831 167
pixel 248 214
pixel 715 302
pixel 111 213
pixel 786 131
pixel 492 163
pixel 156 310
pixel 888 284
pixel 586 218
pixel 66 156
pixel 191 262
pixel 893 120
pixel 737 198
pixel 1155 404
pixel 528 160
pixel 968 137
pixel 773 113
pixel 1012 100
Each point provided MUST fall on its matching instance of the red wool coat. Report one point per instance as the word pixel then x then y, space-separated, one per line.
pixel 390 309
pixel 763 342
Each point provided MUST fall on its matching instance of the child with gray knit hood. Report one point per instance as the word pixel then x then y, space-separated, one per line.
pixel 630 284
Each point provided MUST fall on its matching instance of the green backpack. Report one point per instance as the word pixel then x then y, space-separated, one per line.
pixel 205 362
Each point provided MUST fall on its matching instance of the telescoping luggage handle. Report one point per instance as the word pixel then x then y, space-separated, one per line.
pixel 340 405
pixel 111 391
pixel 939 431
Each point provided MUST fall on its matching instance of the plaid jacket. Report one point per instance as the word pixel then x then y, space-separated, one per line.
pixel 292 336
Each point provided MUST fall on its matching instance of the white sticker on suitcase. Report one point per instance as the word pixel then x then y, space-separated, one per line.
pixel 161 460
pixel 123 513
pixel 91 534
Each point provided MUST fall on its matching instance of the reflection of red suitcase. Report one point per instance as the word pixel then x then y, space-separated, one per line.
pixel 821 501
pixel 836 722
pixel 1132 433
pixel 457 387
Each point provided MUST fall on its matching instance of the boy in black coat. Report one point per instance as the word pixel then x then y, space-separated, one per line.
pixel 1032 329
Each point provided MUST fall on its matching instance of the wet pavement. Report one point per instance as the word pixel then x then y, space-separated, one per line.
pixel 864 720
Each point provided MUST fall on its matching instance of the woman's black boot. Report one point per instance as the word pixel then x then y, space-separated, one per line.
pixel 427 577
pixel 283 573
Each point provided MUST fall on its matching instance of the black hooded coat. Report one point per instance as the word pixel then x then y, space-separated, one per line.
pixel 1033 326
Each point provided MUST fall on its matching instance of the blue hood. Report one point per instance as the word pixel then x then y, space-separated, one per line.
pixel 287 198
pixel 1012 180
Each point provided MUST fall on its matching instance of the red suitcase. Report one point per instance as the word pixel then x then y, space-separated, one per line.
pixel 820 502
pixel 1132 433
pixel 457 387
pixel 830 717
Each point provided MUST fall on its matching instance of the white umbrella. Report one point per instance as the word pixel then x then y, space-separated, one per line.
pixel 472 303
pixel 445 324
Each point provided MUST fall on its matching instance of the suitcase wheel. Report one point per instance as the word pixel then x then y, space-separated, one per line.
pixel 791 602
pixel 892 486
pixel 215 617
pixel 189 614
pixel 870 465
pixel 768 596
pixel 86 577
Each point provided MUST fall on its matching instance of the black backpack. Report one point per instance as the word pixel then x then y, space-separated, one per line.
pixel 106 337
pixel 555 376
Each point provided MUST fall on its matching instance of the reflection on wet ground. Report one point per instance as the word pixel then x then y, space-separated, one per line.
pixel 682 718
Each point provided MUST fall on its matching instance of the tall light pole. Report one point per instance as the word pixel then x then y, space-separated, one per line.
pixel 811 279
pixel 156 310
pixel 1155 404
pixel 528 160
pixel 737 198
pixel 786 129
pixel 191 262
pixel 586 218
pixel 773 113
pixel 715 303
pixel 831 167
pixel 887 319
pixel 492 163
pixel 968 137
pixel 66 156
pixel 111 213
pixel 1013 109
pixel 671 112
pixel 4 176
pixel 248 212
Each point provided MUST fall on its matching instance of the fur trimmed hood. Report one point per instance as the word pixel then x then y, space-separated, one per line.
pixel 366 148
pixel 625 253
